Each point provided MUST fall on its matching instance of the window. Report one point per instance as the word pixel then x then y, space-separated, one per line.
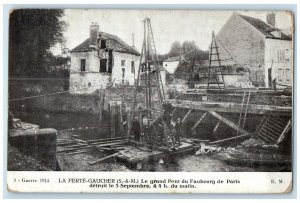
pixel 287 55
pixel 280 75
pixel 122 62
pixel 103 65
pixel 280 55
pixel 102 44
pixel 132 67
pixel 288 75
pixel 123 72
pixel 82 65
pixel 123 75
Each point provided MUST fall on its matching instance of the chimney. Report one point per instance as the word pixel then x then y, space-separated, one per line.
pixel 94 30
pixel 271 19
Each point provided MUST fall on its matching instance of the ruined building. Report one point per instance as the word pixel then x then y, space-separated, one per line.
pixel 265 51
pixel 101 60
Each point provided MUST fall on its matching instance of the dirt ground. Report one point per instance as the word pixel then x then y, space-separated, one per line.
pixel 17 161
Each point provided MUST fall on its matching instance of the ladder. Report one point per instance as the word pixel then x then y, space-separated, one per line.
pixel 273 129
pixel 244 109
pixel 215 71
pixel 149 77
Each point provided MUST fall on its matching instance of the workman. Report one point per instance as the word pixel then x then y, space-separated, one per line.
pixel 136 129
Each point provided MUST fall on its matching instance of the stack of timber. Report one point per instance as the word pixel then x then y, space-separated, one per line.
pixel 135 155
pixel 77 146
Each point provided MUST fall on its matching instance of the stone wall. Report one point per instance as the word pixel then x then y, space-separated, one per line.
pixel 37 143
pixel 245 44
pixel 77 103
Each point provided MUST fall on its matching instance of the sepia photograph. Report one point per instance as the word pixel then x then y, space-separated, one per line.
pixel 150 90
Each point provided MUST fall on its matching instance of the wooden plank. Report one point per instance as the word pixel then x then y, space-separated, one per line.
pixel 262 121
pixel 110 141
pixel 199 121
pixel 74 149
pixel 110 144
pixel 186 115
pixel 80 152
pixel 173 112
pixel 104 158
pixel 216 127
pixel 231 138
pixel 105 139
pixel 198 140
pixel 284 133
pixel 227 122
pixel 230 107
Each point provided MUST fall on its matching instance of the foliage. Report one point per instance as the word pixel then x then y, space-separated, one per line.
pixel 31 34
pixel 175 49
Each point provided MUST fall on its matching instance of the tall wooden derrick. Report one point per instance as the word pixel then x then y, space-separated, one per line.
pixel 149 80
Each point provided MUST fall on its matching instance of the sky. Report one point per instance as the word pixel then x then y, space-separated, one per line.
pixel 168 25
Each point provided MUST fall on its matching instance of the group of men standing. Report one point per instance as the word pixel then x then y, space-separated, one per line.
pixel 163 131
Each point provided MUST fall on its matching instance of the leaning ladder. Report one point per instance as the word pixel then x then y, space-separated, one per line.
pixel 214 52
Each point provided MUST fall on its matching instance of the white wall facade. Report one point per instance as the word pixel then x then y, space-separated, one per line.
pixel 171 66
pixel 279 57
pixel 92 61
pixel 117 72
pixel 91 79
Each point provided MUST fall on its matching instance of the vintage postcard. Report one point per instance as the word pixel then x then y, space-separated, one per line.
pixel 150 101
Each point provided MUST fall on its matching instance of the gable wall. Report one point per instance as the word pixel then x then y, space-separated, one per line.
pixel 245 44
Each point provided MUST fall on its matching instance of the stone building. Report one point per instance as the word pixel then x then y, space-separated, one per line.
pixel 265 51
pixel 101 60
pixel 171 64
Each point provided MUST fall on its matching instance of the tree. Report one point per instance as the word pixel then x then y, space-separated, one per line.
pixel 31 34
pixel 175 49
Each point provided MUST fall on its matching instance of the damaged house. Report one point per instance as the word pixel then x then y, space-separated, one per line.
pixel 101 60
pixel 263 50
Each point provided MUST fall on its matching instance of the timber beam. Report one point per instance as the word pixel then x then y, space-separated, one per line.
pixel 230 107
pixel 227 122
pixel 199 121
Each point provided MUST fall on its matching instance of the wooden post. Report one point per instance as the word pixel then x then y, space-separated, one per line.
pixel 216 127
pixel 112 119
pixel 101 107
pixel 186 115
pixel 128 118
pixel 140 117
pixel 284 132
pixel 199 121
pixel 120 118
